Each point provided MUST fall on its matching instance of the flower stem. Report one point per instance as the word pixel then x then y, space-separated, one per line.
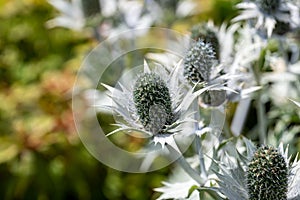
pixel 199 143
pixel 185 165
pixel 259 104
pixel 261 120
pixel 201 157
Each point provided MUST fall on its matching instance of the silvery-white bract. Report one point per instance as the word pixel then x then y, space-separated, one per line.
pixel 269 15
pixel 148 110
pixel 71 17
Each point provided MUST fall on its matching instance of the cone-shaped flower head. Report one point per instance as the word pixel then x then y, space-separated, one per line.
pixel 199 62
pixel 153 102
pixel 267 175
pixel 208 35
pixel 200 65
pixel 270 174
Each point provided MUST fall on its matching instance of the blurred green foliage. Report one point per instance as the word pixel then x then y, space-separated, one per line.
pixel 41 156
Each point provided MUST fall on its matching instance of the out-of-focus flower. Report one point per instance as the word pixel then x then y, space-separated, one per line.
pixel 129 15
pixel 71 16
pixel 245 52
pixel 111 17
pixel 282 78
pixel 221 38
pixel 270 15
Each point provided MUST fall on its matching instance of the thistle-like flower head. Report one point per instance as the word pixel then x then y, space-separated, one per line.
pixel 201 65
pixel 208 35
pixel 153 104
pixel 264 173
pixel 199 62
pixel 267 175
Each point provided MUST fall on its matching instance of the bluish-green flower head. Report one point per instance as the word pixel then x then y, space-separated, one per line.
pixel 152 101
pixel 267 175
pixel 199 62
pixel 208 35
pixel 268 6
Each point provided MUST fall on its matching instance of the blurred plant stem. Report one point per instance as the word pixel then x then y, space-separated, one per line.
pixel 185 165
pixel 261 116
pixel 201 158
pixel 199 142
pixel 261 120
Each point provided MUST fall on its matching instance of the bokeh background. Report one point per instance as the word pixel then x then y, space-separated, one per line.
pixel 41 155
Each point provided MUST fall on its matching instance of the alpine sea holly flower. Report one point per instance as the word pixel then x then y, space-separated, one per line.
pixel 200 62
pixel 115 16
pixel 269 13
pixel 71 17
pixel 264 173
pixel 267 175
pixel 201 66
pixel 153 104
pixel 221 38
pixel 152 101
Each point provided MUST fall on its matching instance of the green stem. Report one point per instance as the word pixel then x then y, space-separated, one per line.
pixel 227 130
pixel 185 165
